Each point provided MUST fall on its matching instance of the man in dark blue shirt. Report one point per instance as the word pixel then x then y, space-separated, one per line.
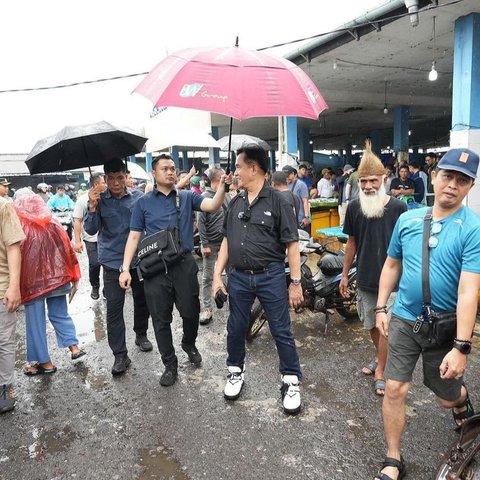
pixel 178 284
pixel 109 214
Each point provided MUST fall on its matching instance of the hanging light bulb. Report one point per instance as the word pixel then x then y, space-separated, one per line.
pixel 433 74
pixel 335 64
pixel 385 108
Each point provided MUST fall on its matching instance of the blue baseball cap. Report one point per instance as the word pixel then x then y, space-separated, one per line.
pixel 461 160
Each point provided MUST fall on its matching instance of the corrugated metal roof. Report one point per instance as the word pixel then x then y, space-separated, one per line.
pixel 13 165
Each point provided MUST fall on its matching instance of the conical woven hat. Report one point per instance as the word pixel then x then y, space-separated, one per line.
pixel 370 164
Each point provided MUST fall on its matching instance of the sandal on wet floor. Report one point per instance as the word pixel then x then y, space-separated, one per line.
pixel 79 354
pixel 37 369
pixel 369 368
pixel 469 412
pixel 379 385
pixel 392 462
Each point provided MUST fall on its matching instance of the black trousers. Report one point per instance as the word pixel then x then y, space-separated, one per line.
pixel 115 295
pixel 93 265
pixel 180 287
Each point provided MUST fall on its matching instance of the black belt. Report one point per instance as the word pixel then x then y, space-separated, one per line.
pixel 255 271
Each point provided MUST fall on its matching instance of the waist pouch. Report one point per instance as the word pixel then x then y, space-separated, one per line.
pixel 159 251
pixel 440 328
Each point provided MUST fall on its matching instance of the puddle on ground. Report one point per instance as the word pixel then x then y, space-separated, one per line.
pixel 92 380
pixel 158 463
pixel 89 325
pixel 50 441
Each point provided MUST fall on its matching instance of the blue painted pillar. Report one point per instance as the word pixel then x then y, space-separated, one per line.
pixel 348 153
pixel 376 147
pixel 272 161
pixel 466 73
pixel 401 122
pixel 132 158
pixel 214 153
pixel 466 93
pixel 305 149
pixel 148 162
pixel 291 130
pixel 175 156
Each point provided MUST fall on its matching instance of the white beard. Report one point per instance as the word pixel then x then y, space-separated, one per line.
pixel 373 205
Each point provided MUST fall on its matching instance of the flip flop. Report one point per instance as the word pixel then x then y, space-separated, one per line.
pixel 379 385
pixel 371 367
pixel 37 369
pixel 79 354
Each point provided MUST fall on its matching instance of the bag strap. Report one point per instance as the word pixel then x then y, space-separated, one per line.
pixel 177 209
pixel 427 299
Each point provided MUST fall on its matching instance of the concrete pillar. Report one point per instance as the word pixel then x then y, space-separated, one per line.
pixel 466 92
pixel 401 117
pixel 287 140
pixel 376 147
pixel 132 158
pixel 304 147
pixel 272 161
pixel 175 156
pixel 214 153
pixel 148 161
pixel 348 153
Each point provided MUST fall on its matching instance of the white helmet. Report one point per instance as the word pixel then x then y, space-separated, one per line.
pixel 42 186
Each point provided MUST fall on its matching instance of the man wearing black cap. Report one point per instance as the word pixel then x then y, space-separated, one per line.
pixel 449 236
pixel 259 226
pixel 109 213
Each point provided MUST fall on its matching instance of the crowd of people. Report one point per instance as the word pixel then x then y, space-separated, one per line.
pixel 143 239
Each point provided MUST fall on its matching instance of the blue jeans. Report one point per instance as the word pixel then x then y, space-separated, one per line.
pixel 271 289
pixel 36 327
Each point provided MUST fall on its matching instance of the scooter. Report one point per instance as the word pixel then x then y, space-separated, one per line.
pixel 462 461
pixel 64 216
pixel 320 290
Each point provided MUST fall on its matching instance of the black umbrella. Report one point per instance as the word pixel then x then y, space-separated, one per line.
pixel 83 146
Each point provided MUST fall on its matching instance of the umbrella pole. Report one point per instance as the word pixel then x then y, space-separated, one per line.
pixel 227 171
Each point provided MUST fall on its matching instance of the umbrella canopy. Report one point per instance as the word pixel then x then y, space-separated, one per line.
pixel 83 146
pixel 242 141
pixel 232 81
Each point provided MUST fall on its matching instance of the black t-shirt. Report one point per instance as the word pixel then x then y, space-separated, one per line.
pixel 398 184
pixel 258 233
pixel 372 237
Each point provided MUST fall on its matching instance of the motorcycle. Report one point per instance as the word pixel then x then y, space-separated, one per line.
pixel 320 290
pixel 462 461
pixel 64 216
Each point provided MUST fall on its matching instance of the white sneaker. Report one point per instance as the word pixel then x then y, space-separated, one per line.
pixel 206 317
pixel 234 384
pixel 292 403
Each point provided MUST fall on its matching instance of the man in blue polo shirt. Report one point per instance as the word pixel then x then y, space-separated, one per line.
pixel 109 214
pixel 453 244
pixel 178 285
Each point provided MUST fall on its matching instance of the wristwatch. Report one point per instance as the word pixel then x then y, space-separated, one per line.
pixel 123 268
pixel 296 281
pixel 462 346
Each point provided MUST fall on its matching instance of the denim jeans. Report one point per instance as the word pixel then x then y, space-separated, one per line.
pixel 93 265
pixel 36 327
pixel 180 287
pixel 207 277
pixel 115 301
pixel 271 289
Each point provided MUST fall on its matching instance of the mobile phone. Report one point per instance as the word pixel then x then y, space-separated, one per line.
pixel 220 298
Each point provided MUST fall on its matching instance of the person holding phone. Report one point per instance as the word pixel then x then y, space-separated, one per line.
pixel 50 271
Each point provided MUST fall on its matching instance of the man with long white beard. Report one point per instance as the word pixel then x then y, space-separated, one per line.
pixel 369 222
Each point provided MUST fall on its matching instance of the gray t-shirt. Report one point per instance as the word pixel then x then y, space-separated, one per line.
pixel 79 212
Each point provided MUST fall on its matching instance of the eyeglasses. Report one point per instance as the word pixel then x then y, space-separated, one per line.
pixel 435 229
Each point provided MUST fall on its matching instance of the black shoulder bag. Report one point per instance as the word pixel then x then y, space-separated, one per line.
pixel 441 327
pixel 158 251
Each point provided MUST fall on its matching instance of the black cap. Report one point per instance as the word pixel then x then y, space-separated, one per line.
pixel 288 169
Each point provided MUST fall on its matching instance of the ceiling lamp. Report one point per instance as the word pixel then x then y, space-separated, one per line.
pixel 433 74
pixel 335 64
pixel 385 108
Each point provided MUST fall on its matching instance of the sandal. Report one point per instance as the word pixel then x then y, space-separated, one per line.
pixel 37 369
pixel 79 354
pixel 469 412
pixel 379 385
pixel 369 368
pixel 392 462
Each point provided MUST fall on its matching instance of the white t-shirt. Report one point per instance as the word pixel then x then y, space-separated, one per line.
pixel 325 188
pixel 79 212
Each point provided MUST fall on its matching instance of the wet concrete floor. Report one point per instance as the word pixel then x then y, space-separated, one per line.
pixel 83 423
